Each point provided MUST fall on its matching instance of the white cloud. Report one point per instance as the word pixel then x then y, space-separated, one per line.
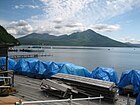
pixel 62 9
pixel 105 27
pixel 20 27
pixel 58 29
pixel 34 17
pixel 72 25
pixel 67 16
pixel 61 15
pixel 26 6
pixel 58 20
pixel 130 40
pixel 86 10
pixel 20 23
pixel 100 10
pixel 44 1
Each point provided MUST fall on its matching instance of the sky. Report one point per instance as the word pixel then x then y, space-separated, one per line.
pixel 116 19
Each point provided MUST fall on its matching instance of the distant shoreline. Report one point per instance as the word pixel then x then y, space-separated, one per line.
pixel 70 47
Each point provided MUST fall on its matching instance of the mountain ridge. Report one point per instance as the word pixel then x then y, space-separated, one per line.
pixel 6 38
pixel 85 38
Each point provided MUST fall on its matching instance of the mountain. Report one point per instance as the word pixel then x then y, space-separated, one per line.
pixel 85 38
pixel 136 45
pixel 6 38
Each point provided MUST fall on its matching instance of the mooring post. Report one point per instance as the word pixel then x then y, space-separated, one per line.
pixel 100 99
pixel 19 102
pixel 88 100
pixel 128 101
pixel 70 99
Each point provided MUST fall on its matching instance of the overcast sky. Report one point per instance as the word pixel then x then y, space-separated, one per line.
pixel 117 19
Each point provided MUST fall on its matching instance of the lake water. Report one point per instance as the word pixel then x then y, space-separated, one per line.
pixel 118 58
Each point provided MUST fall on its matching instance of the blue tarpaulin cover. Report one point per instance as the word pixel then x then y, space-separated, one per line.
pixel 130 77
pixel 46 69
pixel 69 68
pixel 11 63
pixel 35 68
pixel 26 66
pixel 138 100
pixel 42 69
pixel 107 74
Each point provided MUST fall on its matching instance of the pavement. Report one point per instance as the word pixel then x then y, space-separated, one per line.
pixel 29 89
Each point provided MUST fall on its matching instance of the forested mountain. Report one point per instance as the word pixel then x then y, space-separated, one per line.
pixel 6 38
pixel 85 38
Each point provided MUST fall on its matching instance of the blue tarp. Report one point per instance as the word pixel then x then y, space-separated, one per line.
pixel 51 70
pixel 46 69
pixel 26 66
pixel 35 68
pixel 11 63
pixel 138 100
pixel 69 68
pixel 40 67
pixel 130 77
pixel 107 74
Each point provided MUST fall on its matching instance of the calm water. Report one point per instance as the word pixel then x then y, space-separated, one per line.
pixel 118 58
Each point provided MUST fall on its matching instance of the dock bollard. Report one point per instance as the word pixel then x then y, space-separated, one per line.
pixel 70 100
pixel 88 100
pixel 128 101
pixel 19 103
pixel 100 100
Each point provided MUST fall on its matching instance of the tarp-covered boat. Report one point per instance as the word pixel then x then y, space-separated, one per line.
pixel 46 69
pixel 26 67
pixel 11 63
pixel 130 77
pixel 138 100
pixel 40 69
pixel 69 68
pixel 106 74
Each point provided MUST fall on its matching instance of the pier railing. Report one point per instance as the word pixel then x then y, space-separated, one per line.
pixel 70 100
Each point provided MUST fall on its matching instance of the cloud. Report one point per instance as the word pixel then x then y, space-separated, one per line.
pixel 130 40
pixel 26 6
pixel 89 11
pixel 44 1
pixel 63 15
pixel 34 17
pixel 67 16
pixel 99 11
pixel 72 25
pixel 58 20
pixel 58 27
pixel 105 27
pixel 62 9
pixel 20 27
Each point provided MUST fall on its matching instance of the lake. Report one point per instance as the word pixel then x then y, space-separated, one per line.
pixel 118 58
pixel 91 57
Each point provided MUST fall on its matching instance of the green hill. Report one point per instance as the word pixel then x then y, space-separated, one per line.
pixel 6 38
pixel 85 38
